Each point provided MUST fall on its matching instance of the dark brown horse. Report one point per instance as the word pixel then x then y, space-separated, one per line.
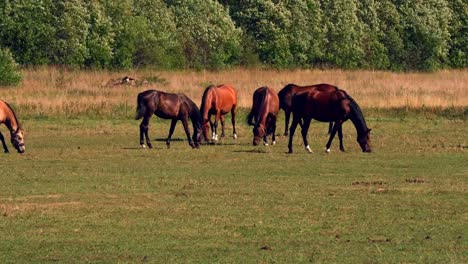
pixel 168 106
pixel 265 107
pixel 327 103
pixel 8 117
pixel 285 98
pixel 218 101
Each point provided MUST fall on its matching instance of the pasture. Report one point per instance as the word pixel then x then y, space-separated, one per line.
pixel 85 192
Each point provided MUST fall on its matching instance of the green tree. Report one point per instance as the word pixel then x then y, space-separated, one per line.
pixel 458 52
pixel 100 38
pixel 266 25
pixel 344 33
pixel 375 52
pixel 27 30
pixel 391 33
pixel 305 32
pixel 71 23
pixel 9 70
pixel 426 33
pixel 207 34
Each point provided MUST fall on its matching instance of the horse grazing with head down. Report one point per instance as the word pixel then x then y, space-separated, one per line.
pixel 218 101
pixel 285 98
pixel 265 107
pixel 168 106
pixel 8 117
pixel 327 103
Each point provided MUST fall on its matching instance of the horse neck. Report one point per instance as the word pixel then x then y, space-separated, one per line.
pixel 195 116
pixel 357 118
pixel 205 105
pixel 11 121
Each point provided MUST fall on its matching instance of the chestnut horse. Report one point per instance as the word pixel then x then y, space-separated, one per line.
pixel 327 103
pixel 168 106
pixel 285 99
pixel 218 101
pixel 8 117
pixel 265 107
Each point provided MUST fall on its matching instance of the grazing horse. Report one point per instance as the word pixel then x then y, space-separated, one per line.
pixel 285 98
pixel 8 117
pixel 168 106
pixel 265 107
pixel 218 101
pixel 327 103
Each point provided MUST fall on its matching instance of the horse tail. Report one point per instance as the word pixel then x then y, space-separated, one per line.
pixel 141 107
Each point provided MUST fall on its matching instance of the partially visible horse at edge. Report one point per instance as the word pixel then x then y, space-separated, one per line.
pixel 285 96
pixel 168 106
pixel 8 117
pixel 218 101
pixel 265 107
pixel 327 103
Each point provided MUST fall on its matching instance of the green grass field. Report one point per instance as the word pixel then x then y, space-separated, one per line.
pixel 86 192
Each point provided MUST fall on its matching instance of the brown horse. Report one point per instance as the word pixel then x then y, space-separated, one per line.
pixel 168 106
pixel 327 103
pixel 285 98
pixel 265 107
pixel 8 117
pixel 218 101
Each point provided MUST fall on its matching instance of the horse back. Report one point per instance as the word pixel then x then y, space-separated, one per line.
pixel 323 103
pixel 222 98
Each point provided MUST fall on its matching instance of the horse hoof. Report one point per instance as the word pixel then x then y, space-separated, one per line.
pixel 265 144
pixel 327 150
pixel 273 142
pixel 308 149
pixel 235 136
pixel 142 146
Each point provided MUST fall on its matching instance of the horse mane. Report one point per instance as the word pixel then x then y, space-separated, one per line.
pixel 195 114
pixel 14 115
pixel 205 94
pixel 261 99
pixel 357 112
pixel 286 88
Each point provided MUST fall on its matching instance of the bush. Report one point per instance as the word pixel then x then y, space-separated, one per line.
pixel 9 69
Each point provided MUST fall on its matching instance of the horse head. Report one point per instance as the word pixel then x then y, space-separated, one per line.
pixel 259 132
pixel 364 141
pixel 197 135
pixel 17 140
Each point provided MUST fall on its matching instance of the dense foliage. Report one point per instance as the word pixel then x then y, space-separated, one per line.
pixel 175 34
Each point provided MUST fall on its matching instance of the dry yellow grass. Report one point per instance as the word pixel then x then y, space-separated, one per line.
pixel 57 91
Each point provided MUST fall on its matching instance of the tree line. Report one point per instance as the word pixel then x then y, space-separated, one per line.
pixel 198 34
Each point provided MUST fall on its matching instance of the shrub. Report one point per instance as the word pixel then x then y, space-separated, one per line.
pixel 9 70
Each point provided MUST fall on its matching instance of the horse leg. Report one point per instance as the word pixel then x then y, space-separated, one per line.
pixel 292 129
pixel 330 127
pixel 215 126
pixel 223 122
pixel 305 130
pixel 233 121
pixel 187 132
pixel 332 135
pixel 340 136
pixel 5 148
pixel 213 133
pixel 171 131
pixel 273 130
pixel 144 132
pixel 287 115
